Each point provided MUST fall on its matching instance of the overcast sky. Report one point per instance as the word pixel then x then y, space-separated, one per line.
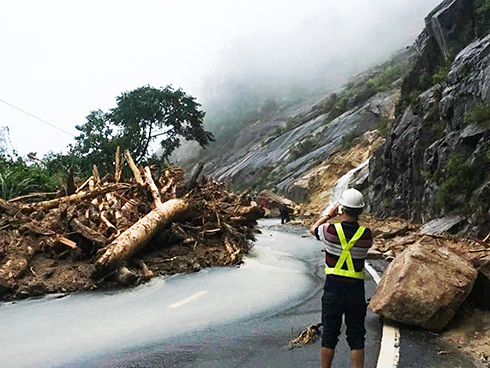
pixel 62 59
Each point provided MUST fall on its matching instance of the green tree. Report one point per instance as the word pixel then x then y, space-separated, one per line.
pixel 96 144
pixel 141 116
pixel 147 113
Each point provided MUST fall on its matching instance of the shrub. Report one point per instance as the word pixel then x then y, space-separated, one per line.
pixel 485 8
pixel 440 75
pixel 302 148
pixel 329 103
pixel 384 126
pixel 480 115
pixel 412 98
pixel 280 130
pixel 424 79
pixel 348 138
pixel 456 178
pixel 342 104
pixel 17 178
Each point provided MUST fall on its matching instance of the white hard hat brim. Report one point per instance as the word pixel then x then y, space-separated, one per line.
pixel 351 206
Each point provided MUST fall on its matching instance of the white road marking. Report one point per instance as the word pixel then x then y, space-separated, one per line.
pixel 389 353
pixel 188 299
pixel 373 272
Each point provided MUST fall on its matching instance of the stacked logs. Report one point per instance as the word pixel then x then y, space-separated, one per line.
pixel 123 227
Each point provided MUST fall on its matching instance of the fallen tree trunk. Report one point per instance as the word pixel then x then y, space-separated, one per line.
pixel 31 196
pixel 140 233
pixel 17 264
pixel 75 197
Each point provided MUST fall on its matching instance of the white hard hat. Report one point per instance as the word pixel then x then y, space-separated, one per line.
pixel 352 198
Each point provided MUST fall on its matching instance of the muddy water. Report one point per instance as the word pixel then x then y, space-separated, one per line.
pixel 53 332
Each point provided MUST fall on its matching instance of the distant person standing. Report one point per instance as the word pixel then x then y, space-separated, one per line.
pixel 284 214
pixel 346 246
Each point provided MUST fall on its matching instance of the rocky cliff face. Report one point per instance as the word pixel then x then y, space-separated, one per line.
pixel 436 159
pixel 273 153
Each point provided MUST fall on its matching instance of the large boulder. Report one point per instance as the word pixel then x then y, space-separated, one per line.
pixel 424 286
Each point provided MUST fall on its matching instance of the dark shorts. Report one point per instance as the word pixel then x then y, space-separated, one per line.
pixel 343 298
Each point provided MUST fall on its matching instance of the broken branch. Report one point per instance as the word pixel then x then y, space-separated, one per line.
pixel 134 238
pixel 74 197
pixel 134 168
pixel 152 186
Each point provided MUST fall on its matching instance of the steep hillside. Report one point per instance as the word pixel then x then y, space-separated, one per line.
pixel 436 159
pixel 273 152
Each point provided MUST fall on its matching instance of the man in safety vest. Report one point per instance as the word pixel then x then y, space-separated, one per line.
pixel 346 246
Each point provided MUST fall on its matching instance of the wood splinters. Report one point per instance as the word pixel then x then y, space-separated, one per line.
pixel 67 242
pixel 107 223
pixel 95 173
pixel 74 197
pixel 81 187
pixel 167 186
pixel 152 186
pixel 310 334
pixel 134 168
pixel 32 270
pixel 118 168
pixel 31 196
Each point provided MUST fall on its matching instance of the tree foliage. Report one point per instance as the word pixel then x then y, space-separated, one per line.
pixel 141 117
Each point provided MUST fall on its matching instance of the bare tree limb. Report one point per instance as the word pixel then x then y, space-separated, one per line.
pixel 134 168
pixel 75 197
pixel 118 169
pixel 152 186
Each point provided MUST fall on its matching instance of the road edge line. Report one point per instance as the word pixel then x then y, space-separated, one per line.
pixel 389 352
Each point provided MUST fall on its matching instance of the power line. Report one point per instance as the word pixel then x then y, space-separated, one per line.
pixel 35 117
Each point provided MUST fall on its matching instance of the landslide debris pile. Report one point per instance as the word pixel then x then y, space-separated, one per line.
pixel 113 231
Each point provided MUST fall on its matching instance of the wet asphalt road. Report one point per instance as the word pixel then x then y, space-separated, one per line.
pixel 239 317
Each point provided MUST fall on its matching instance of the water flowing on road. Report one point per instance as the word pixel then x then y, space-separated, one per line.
pixel 342 185
pixel 51 332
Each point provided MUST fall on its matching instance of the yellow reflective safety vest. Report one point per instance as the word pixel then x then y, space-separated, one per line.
pixel 345 256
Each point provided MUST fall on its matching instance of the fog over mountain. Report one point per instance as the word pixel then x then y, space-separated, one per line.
pixel 64 59
pixel 317 52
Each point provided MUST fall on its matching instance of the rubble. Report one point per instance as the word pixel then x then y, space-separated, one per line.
pixel 113 231
pixel 273 202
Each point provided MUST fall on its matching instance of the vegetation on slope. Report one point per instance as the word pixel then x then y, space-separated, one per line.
pixel 142 116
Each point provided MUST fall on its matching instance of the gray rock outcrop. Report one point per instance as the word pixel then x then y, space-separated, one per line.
pixel 436 158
